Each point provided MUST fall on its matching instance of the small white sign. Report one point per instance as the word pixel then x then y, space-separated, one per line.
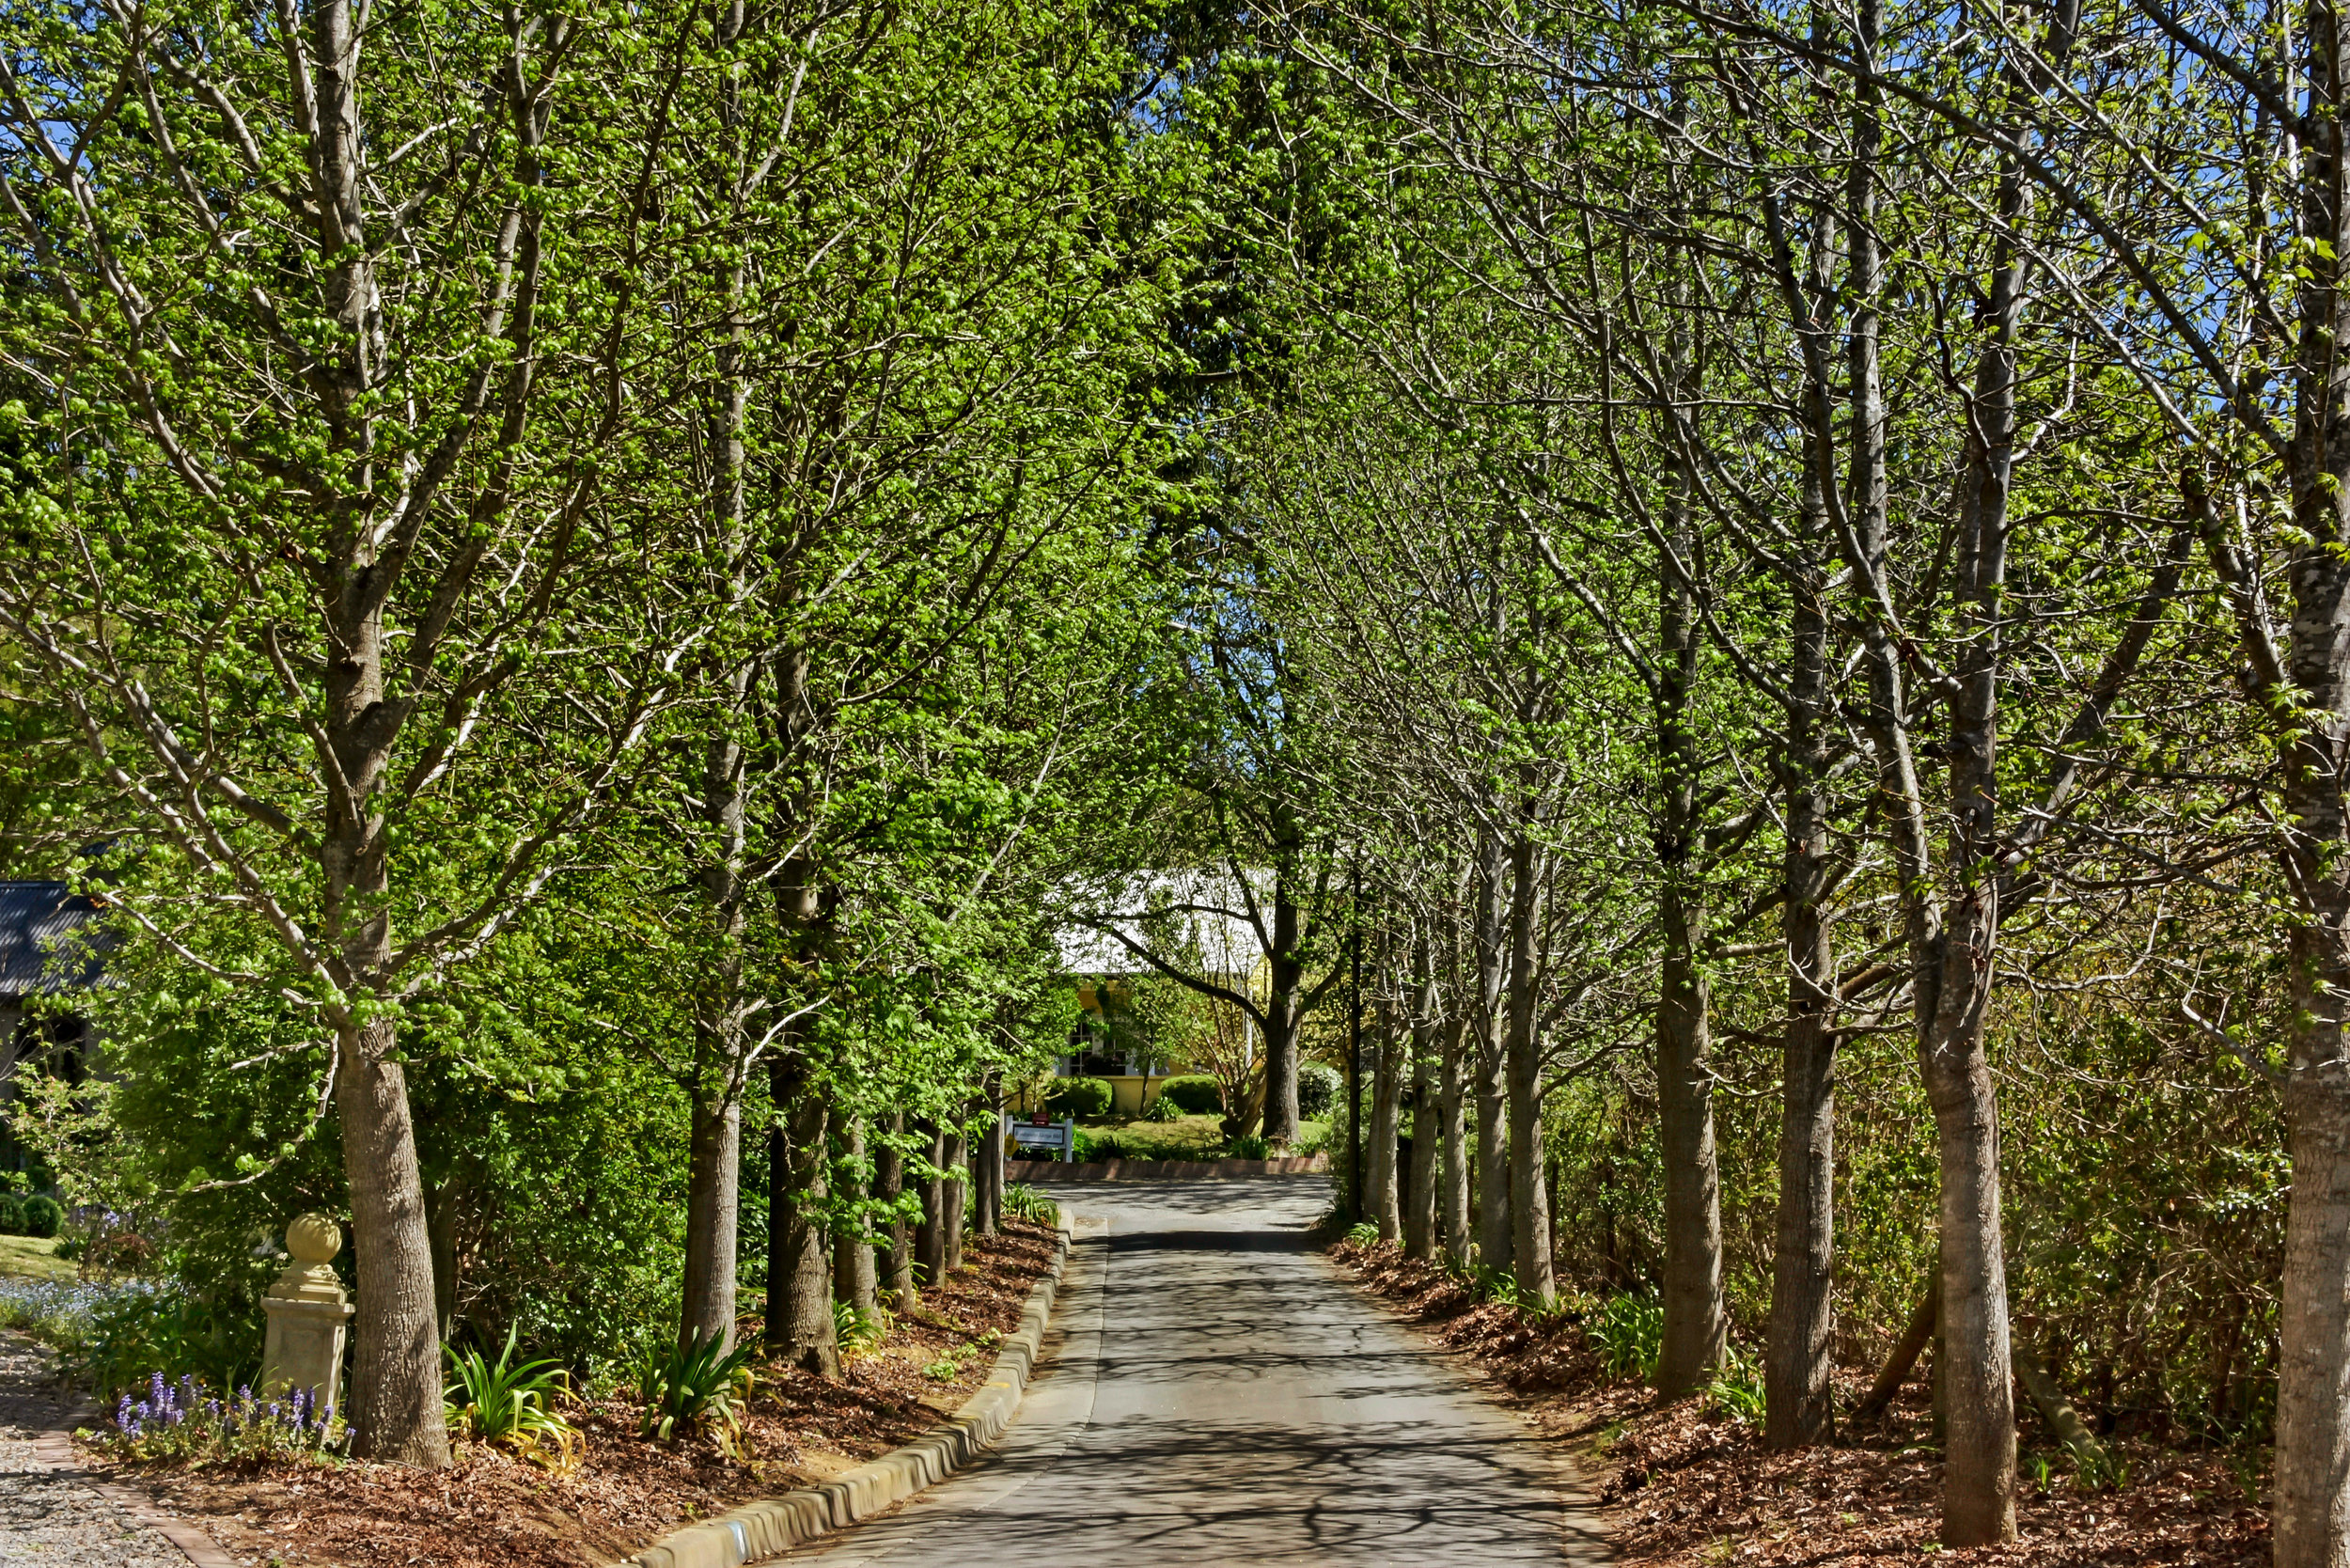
pixel 1061 1136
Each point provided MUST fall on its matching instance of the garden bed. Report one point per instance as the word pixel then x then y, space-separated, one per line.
pixel 493 1510
pixel 1690 1485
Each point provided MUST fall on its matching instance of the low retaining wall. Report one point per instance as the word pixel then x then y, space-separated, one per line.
pixel 759 1530
pixel 1161 1170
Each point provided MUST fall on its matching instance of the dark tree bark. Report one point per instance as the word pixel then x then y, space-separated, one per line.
pixel 889 1171
pixel 1798 1402
pixel 954 1199
pixel 1382 1195
pixel 1452 1186
pixel 852 1271
pixel 1421 1234
pixel 1696 1326
pixel 713 1212
pixel 987 1159
pixel 799 1327
pixel 1529 1200
pixel 1494 1228
pixel 930 1232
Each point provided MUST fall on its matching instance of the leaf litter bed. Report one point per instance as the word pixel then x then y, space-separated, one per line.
pixel 493 1510
pixel 1686 1485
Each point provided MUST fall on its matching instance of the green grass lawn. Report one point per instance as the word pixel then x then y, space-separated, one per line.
pixel 32 1257
pixel 1189 1138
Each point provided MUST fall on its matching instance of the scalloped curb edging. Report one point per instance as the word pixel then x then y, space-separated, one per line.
pixel 1168 1170
pixel 759 1530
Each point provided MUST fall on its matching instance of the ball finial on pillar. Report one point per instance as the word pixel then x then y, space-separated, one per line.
pixel 313 1239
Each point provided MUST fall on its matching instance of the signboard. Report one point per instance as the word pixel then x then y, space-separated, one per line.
pixel 1061 1139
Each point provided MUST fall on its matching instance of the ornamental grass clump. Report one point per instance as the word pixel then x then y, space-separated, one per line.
pixel 696 1385
pixel 183 1422
pixel 508 1403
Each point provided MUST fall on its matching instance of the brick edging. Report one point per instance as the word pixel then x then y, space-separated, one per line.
pixel 54 1449
pixel 762 1530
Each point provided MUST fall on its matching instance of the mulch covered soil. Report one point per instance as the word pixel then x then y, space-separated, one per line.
pixel 493 1510
pixel 1688 1485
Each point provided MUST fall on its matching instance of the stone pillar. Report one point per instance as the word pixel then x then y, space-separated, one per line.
pixel 307 1313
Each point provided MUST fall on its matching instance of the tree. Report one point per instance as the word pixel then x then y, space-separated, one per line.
pixel 302 300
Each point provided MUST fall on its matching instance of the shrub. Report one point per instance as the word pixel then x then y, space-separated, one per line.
pixel 1194 1093
pixel 1318 1085
pixel 1162 1109
pixel 136 1334
pixel 43 1218
pixel 11 1215
pixel 1249 1146
pixel 1078 1097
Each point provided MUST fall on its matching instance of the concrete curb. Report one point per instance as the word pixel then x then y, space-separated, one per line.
pixel 759 1530
pixel 1165 1171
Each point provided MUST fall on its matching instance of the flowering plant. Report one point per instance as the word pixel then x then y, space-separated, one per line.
pixel 182 1421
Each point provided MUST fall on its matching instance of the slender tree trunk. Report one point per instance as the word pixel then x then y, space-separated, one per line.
pixel 1799 1406
pixel 1696 1326
pixel 1529 1202
pixel 889 1175
pixel 1453 1191
pixel 929 1233
pixel 955 1195
pixel 713 1212
pixel 1387 1094
pixel 852 1271
pixel 987 1159
pixel 799 1327
pixel 1419 1204
pixel 2312 1506
pixel 1493 1229
pixel 1287 969
pixel 442 1202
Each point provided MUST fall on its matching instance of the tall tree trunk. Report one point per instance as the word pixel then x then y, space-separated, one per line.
pixel 1286 965
pixel 1696 1326
pixel 1452 1187
pixel 2312 1506
pixel 1494 1230
pixel 713 1212
pixel 799 1327
pixel 1529 1202
pixel 930 1232
pixel 987 1158
pixel 852 1271
pixel 396 1369
pixel 1382 1195
pixel 890 1176
pixel 1420 1201
pixel 1798 1402
pixel 442 1202
pixel 954 1198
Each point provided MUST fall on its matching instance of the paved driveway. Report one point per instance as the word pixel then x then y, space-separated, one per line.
pixel 1214 1393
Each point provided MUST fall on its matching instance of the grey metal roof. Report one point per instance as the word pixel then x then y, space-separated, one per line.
pixel 32 916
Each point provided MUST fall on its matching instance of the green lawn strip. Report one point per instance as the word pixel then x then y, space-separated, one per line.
pixel 32 1257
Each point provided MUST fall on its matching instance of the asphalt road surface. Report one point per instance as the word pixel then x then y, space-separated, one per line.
pixel 1213 1392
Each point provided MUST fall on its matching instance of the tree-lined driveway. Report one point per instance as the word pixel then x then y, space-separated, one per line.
pixel 1213 1392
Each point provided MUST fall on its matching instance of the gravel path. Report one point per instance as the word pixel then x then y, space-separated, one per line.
pixel 50 1516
